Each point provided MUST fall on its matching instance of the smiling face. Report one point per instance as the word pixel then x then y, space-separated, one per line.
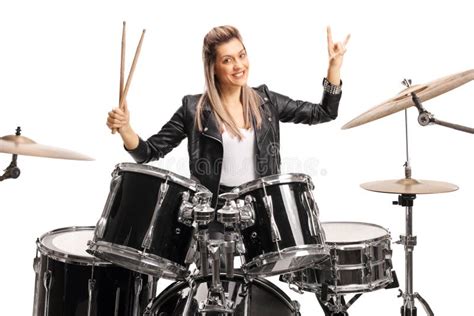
pixel 231 64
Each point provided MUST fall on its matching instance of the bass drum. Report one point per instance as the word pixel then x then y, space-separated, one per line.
pixel 258 297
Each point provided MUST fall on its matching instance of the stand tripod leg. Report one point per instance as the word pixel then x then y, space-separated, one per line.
pixel 326 310
pixel 425 304
pixel 339 306
pixel 353 299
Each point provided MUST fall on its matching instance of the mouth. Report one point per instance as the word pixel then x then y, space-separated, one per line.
pixel 239 75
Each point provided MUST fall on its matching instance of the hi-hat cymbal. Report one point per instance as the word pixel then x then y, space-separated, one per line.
pixel 403 100
pixel 21 145
pixel 409 186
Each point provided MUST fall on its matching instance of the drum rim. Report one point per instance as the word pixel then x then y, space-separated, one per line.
pixel 162 173
pixel 273 180
pixel 240 275
pixel 290 252
pixel 154 264
pixel 346 289
pixel 358 242
pixel 64 257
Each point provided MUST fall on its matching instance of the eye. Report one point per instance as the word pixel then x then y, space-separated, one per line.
pixel 226 60
pixel 243 55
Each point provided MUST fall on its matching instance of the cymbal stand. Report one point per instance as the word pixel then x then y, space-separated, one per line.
pixel 12 171
pixel 409 241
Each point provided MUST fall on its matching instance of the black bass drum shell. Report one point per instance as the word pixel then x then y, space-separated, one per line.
pixel 257 298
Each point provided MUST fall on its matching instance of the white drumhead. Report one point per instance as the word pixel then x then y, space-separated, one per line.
pixel 69 241
pixel 352 232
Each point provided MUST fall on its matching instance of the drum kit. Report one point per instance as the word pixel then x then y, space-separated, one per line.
pixel 156 224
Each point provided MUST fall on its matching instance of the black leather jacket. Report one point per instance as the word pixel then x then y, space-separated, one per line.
pixel 205 148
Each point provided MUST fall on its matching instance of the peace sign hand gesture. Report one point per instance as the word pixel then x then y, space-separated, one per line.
pixel 336 50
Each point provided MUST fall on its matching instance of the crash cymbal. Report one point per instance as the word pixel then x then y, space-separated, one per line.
pixel 403 100
pixel 409 186
pixel 21 145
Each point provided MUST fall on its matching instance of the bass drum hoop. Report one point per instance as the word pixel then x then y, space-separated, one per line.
pixel 173 288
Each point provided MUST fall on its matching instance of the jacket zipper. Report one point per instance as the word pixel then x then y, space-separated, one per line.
pixel 220 171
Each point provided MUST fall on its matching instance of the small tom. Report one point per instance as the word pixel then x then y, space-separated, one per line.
pixel 286 234
pixel 360 260
pixel 141 227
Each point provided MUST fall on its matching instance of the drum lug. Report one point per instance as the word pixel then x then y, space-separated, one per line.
pixel 36 261
pixel 47 280
pixel 102 223
pixel 313 215
pixel 388 258
pixel 146 244
pixel 247 212
pixel 239 245
pixel 185 215
pixel 91 292
pixel 334 264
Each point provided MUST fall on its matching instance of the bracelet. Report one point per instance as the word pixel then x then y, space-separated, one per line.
pixel 331 88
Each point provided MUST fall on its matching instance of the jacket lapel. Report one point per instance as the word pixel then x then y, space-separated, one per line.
pixel 209 124
pixel 260 133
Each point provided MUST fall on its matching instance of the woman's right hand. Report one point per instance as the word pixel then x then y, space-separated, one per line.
pixel 119 120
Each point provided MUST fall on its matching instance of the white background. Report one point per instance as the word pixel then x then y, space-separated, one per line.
pixel 59 74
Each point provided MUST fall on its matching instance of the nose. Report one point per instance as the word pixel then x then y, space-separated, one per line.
pixel 237 64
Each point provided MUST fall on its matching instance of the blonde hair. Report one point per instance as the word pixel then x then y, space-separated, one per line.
pixel 249 98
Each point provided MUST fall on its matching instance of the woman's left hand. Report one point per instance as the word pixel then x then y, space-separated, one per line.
pixel 336 50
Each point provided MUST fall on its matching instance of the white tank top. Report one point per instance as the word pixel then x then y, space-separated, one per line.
pixel 238 163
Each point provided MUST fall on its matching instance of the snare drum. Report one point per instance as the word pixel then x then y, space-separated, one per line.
pixel 258 297
pixel 140 228
pixel 70 282
pixel 286 234
pixel 360 260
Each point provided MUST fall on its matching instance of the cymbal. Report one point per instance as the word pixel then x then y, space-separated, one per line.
pixel 409 186
pixel 403 100
pixel 21 145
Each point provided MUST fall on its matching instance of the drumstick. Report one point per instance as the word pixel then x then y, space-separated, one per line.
pixel 132 70
pixel 122 68
pixel 122 63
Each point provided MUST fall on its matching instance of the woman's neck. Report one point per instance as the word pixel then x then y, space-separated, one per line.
pixel 230 96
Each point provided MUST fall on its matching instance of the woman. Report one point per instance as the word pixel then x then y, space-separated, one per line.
pixel 231 123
